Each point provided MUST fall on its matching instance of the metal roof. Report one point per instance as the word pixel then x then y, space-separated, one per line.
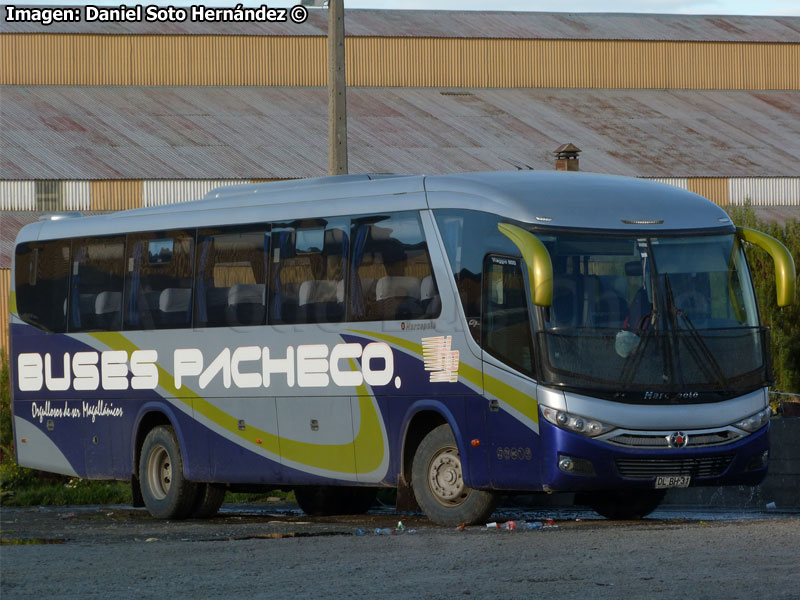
pixel 468 24
pixel 10 224
pixel 79 133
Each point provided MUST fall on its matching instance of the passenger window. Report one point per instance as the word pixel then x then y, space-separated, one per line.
pixel 96 287
pixel 159 268
pixel 307 280
pixel 41 280
pixel 506 327
pixel 232 267
pixel 392 274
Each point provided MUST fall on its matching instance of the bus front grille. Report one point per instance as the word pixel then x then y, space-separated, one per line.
pixel 658 440
pixel 648 468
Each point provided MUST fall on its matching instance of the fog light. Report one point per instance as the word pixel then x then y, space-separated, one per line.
pixel 758 461
pixel 565 464
pixel 575 466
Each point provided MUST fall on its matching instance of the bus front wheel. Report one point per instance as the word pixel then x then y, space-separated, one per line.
pixel 438 482
pixel 166 492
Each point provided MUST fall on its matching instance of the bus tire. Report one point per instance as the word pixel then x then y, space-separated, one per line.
pixel 323 500
pixel 622 504
pixel 207 501
pixel 166 492
pixel 438 483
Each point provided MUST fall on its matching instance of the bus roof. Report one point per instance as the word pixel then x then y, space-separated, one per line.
pixel 578 200
pixel 544 198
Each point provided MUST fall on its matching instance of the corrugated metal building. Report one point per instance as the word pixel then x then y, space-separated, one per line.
pixel 108 116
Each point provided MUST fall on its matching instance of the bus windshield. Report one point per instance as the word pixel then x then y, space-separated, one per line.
pixel 651 318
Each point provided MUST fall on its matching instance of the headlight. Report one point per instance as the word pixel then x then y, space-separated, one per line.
pixel 756 421
pixel 576 423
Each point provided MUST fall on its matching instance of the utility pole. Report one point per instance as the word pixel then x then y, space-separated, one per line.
pixel 337 101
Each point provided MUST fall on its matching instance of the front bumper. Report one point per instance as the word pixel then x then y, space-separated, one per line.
pixel 622 468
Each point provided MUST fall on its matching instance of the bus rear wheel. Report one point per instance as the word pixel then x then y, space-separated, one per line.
pixel 166 492
pixel 207 501
pixel 438 483
pixel 321 500
pixel 622 504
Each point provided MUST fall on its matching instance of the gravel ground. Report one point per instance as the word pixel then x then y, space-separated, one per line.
pixel 275 552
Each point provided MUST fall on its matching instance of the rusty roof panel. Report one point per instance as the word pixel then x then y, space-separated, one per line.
pixel 469 24
pixel 248 132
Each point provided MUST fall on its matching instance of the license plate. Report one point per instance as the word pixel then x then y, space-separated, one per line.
pixel 672 481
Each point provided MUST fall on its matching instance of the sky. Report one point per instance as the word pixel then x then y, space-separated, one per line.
pixel 718 7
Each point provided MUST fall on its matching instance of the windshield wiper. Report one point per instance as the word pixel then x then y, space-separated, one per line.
pixel 676 312
pixel 634 359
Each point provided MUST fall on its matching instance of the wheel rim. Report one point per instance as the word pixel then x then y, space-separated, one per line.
pixel 159 472
pixel 446 479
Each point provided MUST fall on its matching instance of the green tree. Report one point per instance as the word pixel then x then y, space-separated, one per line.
pixel 784 323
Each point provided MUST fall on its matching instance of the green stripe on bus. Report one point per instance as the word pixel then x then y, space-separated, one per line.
pixel 330 457
pixel 12 302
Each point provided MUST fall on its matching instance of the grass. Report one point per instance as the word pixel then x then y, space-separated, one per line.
pixel 66 492
pixel 75 491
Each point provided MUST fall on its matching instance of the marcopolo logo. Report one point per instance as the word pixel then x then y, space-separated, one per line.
pixel 310 365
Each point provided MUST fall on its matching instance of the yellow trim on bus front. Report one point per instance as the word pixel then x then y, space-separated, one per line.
pixel 537 259
pixel 785 272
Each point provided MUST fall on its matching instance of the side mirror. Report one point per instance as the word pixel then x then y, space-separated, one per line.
pixel 537 260
pixel 785 272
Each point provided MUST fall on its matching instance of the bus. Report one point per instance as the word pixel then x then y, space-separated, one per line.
pixel 454 336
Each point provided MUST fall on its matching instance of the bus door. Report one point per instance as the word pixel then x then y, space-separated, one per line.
pixel 511 410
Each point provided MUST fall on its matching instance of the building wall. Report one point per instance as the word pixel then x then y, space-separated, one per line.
pixel 127 194
pixel 118 194
pixel 21 195
pixel 156 193
pixel 17 195
pixel 73 59
pixel 767 191
pixel 713 188
pixel 122 194
pixel 679 182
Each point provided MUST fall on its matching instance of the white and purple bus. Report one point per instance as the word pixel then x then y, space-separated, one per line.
pixel 457 336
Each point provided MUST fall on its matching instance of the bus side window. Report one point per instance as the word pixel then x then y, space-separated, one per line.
pixel 96 287
pixel 41 279
pixel 231 272
pixel 506 327
pixel 468 236
pixel 307 280
pixel 159 290
pixel 392 273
